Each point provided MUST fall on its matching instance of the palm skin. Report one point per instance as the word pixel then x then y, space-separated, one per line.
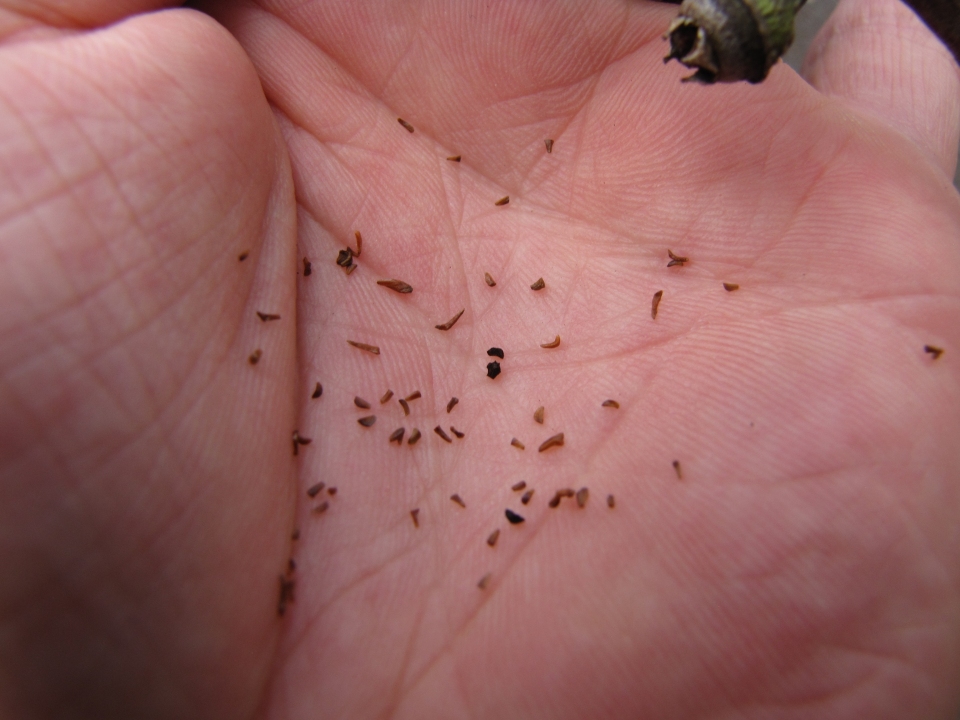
pixel 805 566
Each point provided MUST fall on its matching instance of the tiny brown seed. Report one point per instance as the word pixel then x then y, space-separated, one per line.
pixel 517 487
pixel 315 489
pixel 321 508
pixel 331 491
pixel 676 466
pixel 525 498
pixel 611 501
pixel 361 403
pixel 583 494
pixel 451 322
pixel 552 441
pixel 317 391
pixel 730 287
pixel 243 256
pixel 493 537
pixel 359 237
pixel 503 201
pixel 415 395
pixel 676 259
pixel 386 396
pixel 555 343
pixel 452 403
pixel 454 158
pixel 363 346
pixel 301 440
pixel 307 268
pixel 367 421
pixel 538 415
pixel 484 581
pixel 456 432
pixel 538 285
pixel 405 405
pixel 555 500
pixel 265 317
pixel 549 144
pixel 439 431
pixel 397 436
pixel 406 126
pixel 398 285
pixel 566 492
pixel 656 303
pixel 458 500
pixel 488 279
pixel 610 404
pixel 415 515
pixel 933 350
pixel 255 356
pixel 517 444
pixel 414 436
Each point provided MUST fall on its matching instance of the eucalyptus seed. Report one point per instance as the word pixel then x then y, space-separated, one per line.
pixel 363 346
pixel 517 444
pixel 398 285
pixel 493 369
pixel 503 201
pixel 406 126
pixel 538 415
pixel 317 391
pixel 512 517
pixel 495 352
pixel 451 322
pixel 552 441
pixel 368 421
pixel 439 431
pixel 345 258
pixel 451 404
pixel 610 404
pixel 538 285
pixel 386 396
pixel 414 436
pixel 555 343
pixel 656 303
pixel 488 278
pixel 361 403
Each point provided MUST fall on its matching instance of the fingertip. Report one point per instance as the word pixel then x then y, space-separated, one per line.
pixel 882 60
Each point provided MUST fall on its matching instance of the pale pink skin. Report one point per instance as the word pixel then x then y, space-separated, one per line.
pixel 807 564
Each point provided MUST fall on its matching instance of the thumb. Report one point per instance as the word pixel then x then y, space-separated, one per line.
pixel 879 57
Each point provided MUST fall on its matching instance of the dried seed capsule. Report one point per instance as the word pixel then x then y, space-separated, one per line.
pixel 458 500
pixel 415 395
pixel 656 303
pixel 405 405
pixel 386 396
pixel 492 538
pixel 406 126
pixel 493 369
pixel 676 466
pixel 331 491
pixel 512 517
pixel 367 421
pixel 397 436
pixel 398 285
pixel 488 279
pixel 610 404
pixel 517 444
pixel 730 287
pixel 361 403
pixel 255 356
pixel 359 237
pixel 307 268
pixel 611 501
pixel 484 581
pixel 315 489
pixel 454 158
pixel 517 487
pixel 538 285
pixel 363 346
pixel 317 391
pixel 555 343
pixel 414 514
pixel 456 432
pixel 495 352
pixel 503 201
pixel 451 404
pixel 439 431
pixel 583 494
pixel 345 258
pixel 265 317
pixel 676 259
pixel 451 322
pixel 243 256
pixel 414 436
pixel 549 144
pixel 538 415
pixel 552 441
pixel 321 508
pixel 933 350
pixel 525 498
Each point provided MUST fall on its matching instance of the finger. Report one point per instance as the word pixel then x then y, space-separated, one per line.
pixel 879 56
pixel 17 15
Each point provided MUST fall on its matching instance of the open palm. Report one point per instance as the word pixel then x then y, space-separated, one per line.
pixel 783 460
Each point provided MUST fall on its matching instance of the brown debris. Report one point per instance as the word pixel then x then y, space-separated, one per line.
pixel 933 350
pixel 398 285
pixel 549 143
pixel 484 581
pixel 538 285
pixel 454 158
pixel 286 594
pixel 525 498
pixel 611 501
pixel 415 395
pixel 488 279
pixel 676 466
pixel 363 346
pixel 331 491
pixel 439 431
pixel 456 432
pixel 243 256
pixel 345 258
pixel 359 237
pixel 451 322
pixel 656 303
pixel 555 343
pixel 266 317
pixel 307 268
pixel 321 508
pixel 367 421
pixel 552 441
pixel 405 405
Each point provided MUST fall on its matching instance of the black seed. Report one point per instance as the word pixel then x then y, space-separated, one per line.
pixel 656 303
pixel 367 421
pixel 451 322
pixel 451 404
pixel 495 352
pixel 493 369
pixel 406 126
pixel 307 268
pixel 361 403
pixel 317 391
pixel 398 285
pixel 345 258
pixel 315 489
pixel 538 285
pixel 512 517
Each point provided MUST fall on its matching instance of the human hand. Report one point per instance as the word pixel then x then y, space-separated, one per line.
pixel 806 564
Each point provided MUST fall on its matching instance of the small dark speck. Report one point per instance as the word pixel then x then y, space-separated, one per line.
pixel 458 500
pixel 513 518
pixel 307 268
